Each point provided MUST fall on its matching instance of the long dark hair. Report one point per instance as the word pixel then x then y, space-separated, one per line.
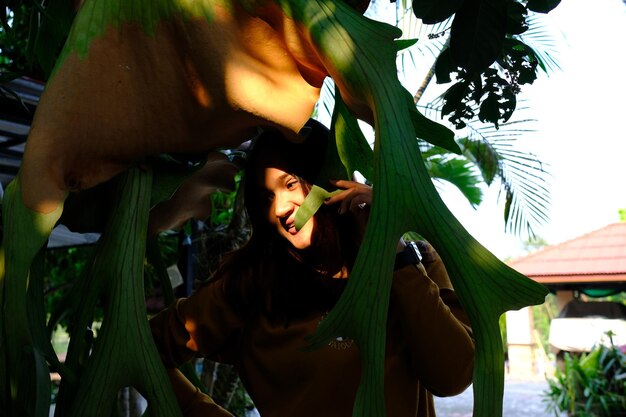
pixel 267 275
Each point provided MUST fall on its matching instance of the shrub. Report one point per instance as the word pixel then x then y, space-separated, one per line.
pixel 590 385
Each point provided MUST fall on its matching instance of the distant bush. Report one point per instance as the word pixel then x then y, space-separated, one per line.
pixel 590 385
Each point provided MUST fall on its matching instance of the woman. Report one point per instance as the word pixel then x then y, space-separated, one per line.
pixel 268 296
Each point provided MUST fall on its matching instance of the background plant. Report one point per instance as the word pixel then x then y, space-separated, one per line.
pixel 591 384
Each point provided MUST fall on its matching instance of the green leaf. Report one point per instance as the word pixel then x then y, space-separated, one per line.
pixel 153 254
pixel 516 17
pixel 353 149
pixel 489 109
pixel 56 20
pixel 430 131
pixel 333 167
pixel 41 399
pixel 477 33
pixel 124 353
pixel 444 66
pixel 42 344
pixel 458 172
pixel 170 172
pixel 483 156
pixel 542 6
pixel 435 11
pixel 311 204
pixel 405 43
pixel 24 233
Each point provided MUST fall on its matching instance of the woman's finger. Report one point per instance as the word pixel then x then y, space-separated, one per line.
pixel 355 196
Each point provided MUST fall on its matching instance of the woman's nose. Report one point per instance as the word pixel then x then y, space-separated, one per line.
pixel 283 207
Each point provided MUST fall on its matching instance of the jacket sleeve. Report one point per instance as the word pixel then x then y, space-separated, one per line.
pixel 437 331
pixel 200 325
pixel 192 401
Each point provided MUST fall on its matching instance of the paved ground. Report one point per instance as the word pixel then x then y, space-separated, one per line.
pixel 521 399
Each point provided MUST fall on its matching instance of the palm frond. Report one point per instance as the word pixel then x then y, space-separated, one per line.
pixel 491 153
pixel 482 154
pixel 523 177
pixel 457 171
pixel 542 38
pixel 324 107
pixel 441 165
pixel 523 216
pixel 500 157
pixel 431 41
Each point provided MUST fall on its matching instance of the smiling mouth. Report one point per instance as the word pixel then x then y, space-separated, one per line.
pixel 290 227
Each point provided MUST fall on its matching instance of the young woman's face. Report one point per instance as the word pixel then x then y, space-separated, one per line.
pixel 285 195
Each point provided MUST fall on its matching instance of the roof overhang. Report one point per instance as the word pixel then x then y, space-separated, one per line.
pixel 583 283
pixel 595 279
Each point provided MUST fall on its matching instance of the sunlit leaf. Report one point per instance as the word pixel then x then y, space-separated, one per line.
pixel 311 204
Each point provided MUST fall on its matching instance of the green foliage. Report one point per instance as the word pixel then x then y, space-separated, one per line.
pixel 223 205
pixel 457 170
pixel 116 277
pixel 28 350
pixel 592 384
pixel 32 35
pixel 13 42
pixel 492 147
pixel 618 298
pixel 486 58
pixel 65 267
pixel 503 333
pixel 522 177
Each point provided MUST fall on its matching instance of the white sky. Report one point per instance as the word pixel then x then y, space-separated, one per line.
pixel 581 112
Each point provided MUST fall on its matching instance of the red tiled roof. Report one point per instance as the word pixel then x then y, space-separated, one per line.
pixel 598 256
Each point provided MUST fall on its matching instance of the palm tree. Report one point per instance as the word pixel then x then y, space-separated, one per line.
pixel 491 151
pixel 442 165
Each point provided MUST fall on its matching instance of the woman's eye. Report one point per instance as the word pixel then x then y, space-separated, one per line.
pixel 292 184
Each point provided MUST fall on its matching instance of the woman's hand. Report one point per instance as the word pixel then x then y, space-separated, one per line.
pixel 355 197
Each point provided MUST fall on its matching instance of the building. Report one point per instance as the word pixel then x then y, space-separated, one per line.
pixel 576 271
pixel 593 264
